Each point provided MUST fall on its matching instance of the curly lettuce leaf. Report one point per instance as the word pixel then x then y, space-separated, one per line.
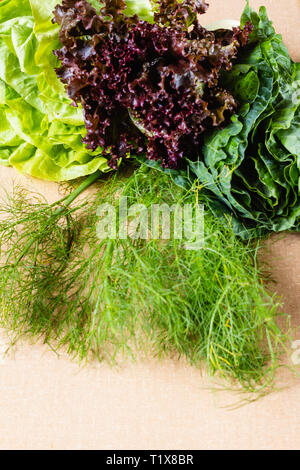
pixel 162 93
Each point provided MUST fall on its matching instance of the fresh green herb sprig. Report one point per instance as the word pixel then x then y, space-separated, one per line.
pixel 99 298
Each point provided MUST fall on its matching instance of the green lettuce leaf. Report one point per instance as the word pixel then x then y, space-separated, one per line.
pixel 140 7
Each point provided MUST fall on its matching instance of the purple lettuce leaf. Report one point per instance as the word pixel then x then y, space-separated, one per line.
pixel 146 88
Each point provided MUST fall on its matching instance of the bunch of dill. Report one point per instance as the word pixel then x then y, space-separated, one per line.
pixel 98 298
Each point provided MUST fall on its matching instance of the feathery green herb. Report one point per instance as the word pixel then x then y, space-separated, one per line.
pixel 101 297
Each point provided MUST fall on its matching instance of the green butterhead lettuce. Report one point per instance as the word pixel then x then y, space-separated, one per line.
pixel 40 133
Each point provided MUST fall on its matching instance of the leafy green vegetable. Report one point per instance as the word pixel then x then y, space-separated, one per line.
pixel 142 8
pixel 40 133
pixel 251 168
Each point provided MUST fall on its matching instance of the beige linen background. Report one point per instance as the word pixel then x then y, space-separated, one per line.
pixel 49 402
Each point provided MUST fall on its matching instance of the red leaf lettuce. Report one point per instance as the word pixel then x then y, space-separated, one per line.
pixel 145 87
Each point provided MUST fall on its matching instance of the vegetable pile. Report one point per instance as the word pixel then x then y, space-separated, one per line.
pixel 147 95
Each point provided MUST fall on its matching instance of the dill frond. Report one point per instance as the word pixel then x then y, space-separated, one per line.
pixel 99 298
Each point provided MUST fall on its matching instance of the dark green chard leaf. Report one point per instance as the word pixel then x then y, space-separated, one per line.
pixel 263 27
pixel 290 137
pixel 252 165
